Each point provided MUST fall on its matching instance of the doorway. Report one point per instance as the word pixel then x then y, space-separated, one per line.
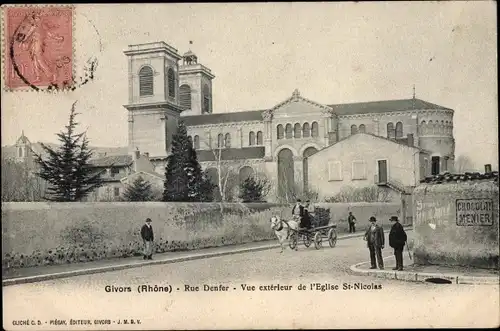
pixel 382 171
pixel 435 165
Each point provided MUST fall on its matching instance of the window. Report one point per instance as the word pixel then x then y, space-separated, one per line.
pixel 362 128
pixel 227 140
pixel 430 128
pixel 354 129
pixel 196 142
pixel 288 131
pixel 251 138
pixel 358 170
pixel 114 171
pixel 171 82
pixel 399 130
pixel 280 132
pixel 334 170
pixel 314 129
pixel 145 81
pixel 260 140
pixel 20 152
pixel 117 191
pixel 206 99
pixel 306 130
pixel 220 140
pixel 297 130
pixel 390 130
pixel 422 128
pixel 185 96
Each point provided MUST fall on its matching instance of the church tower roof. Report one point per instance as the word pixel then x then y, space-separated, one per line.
pixel 22 140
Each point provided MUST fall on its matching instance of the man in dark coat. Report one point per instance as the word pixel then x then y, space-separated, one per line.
pixel 352 222
pixel 375 239
pixel 147 238
pixel 298 211
pixel 397 240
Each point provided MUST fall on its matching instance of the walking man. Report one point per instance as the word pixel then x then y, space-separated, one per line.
pixel 147 238
pixel 397 240
pixel 375 239
pixel 352 222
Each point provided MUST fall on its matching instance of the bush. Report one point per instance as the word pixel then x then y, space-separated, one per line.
pixel 363 194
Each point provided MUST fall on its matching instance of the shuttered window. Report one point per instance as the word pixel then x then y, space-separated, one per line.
pixel 334 170
pixel 185 96
pixel 146 81
pixel 359 170
pixel 171 83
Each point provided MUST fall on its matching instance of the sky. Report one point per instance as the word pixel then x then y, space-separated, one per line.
pixel 261 52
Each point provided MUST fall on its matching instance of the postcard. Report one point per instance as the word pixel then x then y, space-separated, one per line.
pixel 250 166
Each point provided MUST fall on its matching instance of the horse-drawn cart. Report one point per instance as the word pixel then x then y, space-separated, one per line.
pixel 314 234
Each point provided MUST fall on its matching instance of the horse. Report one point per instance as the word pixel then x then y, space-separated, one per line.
pixel 282 229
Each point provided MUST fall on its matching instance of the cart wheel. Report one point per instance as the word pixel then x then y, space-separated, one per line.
pixel 317 240
pixel 294 238
pixel 307 239
pixel 332 237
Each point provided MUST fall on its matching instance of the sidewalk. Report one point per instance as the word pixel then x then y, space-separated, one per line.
pixel 414 273
pixel 37 274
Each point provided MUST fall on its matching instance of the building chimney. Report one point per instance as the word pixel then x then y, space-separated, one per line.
pixel 411 143
pixel 487 168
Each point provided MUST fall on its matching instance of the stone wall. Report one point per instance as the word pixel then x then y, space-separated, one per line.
pixel 57 233
pixel 456 223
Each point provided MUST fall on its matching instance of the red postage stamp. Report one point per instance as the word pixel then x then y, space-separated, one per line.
pixel 38 46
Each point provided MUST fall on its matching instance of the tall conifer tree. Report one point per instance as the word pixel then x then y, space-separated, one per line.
pixel 67 168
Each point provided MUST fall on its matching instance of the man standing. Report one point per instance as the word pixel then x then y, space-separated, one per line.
pixel 397 240
pixel 147 238
pixel 352 222
pixel 375 239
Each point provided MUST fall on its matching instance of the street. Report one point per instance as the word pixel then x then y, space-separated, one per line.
pixel 218 293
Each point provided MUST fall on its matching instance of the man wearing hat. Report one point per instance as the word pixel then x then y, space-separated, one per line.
pixel 147 238
pixel 298 211
pixel 397 240
pixel 375 239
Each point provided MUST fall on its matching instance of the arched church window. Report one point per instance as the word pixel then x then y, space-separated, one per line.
pixel 354 129
pixel 297 130
pixel 196 142
pixel 430 128
pixel 20 152
pixel 390 130
pixel 220 140
pixel 280 132
pixel 260 140
pixel 306 130
pixel 171 82
pixel 362 128
pixel 314 129
pixel 399 130
pixel 251 138
pixel 227 140
pixel 288 131
pixel 206 99
pixel 145 81
pixel 423 127
pixel 185 96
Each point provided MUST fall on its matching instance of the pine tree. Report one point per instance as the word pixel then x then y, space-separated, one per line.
pixel 253 189
pixel 67 168
pixel 140 190
pixel 185 181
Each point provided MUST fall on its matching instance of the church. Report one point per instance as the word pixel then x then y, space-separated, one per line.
pixel 298 144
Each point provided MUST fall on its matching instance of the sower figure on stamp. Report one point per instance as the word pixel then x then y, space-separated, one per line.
pixel 375 239
pixel 147 238
pixel 397 240
pixel 352 222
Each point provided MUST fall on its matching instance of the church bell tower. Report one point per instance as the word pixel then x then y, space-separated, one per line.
pixel 153 102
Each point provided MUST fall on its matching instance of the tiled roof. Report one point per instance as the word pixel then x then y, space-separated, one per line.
pixel 252 115
pixel 115 160
pixel 233 154
pixel 468 176
pixel 383 106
